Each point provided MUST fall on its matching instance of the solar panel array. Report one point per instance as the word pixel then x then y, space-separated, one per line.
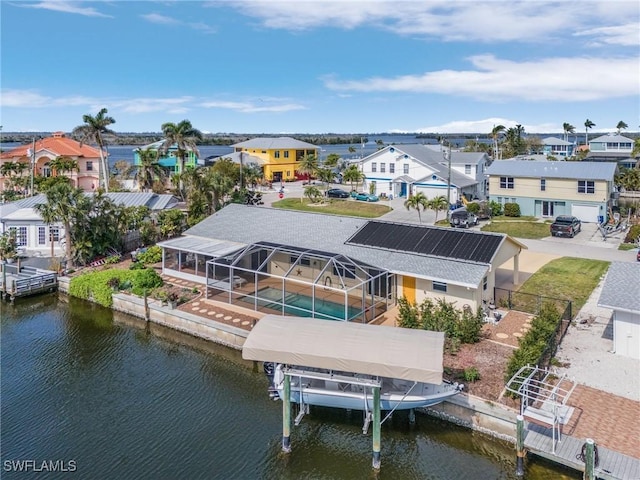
pixel 440 242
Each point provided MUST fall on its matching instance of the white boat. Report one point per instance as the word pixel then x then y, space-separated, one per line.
pixel 339 364
pixel 354 391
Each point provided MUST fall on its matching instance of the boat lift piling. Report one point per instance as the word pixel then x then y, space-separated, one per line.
pixel 286 415
pixel 376 428
pixel 520 451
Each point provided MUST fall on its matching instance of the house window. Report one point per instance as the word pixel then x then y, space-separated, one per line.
pixel 276 154
pixel 392 168
pixel 286 154
pixel 405 168
pixel 374 166
pixel 303 261
pixel 20 234
pixel 485 283
pixel 543 184
pixel 383 167
pixel 439 287
pixel 390 186
pixel 586 186
pixel 89 166
pixel 467 169
pixel 506 182
pixel 42 235
pixel 345 271
pixel 54 233
pixel 46 170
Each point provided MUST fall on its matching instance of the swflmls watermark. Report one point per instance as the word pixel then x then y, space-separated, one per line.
pixel 30 465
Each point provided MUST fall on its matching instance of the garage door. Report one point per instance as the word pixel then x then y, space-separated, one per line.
pixel 586 213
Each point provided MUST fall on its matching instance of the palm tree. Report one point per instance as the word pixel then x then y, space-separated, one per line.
pixel 635 153
pixel 568 128
pixel 62 165
pixel 495 135
pixel 352 174
pixel 308 165
pixel 94 129
pixel 587 125
pixel 439 203
pixel 325 175
pixel 312 193
pixel 183 137
pixel 621 126
pixel 417 201
pixel 149 169
pixel 62 205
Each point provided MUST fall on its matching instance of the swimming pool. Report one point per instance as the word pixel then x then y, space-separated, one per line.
pixel 301 305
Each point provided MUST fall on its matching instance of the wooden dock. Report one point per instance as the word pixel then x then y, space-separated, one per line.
pixel 611 465
pixel 17 281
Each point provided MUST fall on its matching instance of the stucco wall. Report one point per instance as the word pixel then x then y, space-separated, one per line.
pixel 626 327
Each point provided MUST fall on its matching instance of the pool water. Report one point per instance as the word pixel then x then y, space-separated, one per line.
pixel 302 305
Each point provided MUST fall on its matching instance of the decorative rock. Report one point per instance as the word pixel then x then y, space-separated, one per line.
pixel 219 315
pixel 236 320
pixel 246 322
pixel 228 317
pixel 211 312
pixel 517 334
pixel 502 335
pixel 195 304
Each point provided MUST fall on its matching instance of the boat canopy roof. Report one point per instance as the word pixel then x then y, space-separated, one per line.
pixel 347 347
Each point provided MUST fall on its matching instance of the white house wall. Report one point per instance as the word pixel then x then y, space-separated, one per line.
pixel 626 334
pixel 414 170
pixel 456 294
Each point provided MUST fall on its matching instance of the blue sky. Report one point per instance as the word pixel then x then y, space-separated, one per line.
pixel 448 66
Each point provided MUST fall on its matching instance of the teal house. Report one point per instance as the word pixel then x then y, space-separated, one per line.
pixel 169 160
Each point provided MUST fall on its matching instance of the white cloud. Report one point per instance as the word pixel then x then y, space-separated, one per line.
pixel 554 79
pixel 265 105
pixel 625 35
pixel 65 7
pixel 451 20
pixel 486 125
pixel 146 105
pixel 166 20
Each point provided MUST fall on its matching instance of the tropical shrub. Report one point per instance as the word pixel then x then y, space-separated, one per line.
pixel 441 316
pixel 151 255
pixel 471 374
pixel 98 285
pixel 473 207
pixel 496 208
pixel 633 234
pixel 511 210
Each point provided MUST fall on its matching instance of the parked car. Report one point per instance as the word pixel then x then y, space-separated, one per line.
pixel 337 193
pixel 638 256
pixel 461 218
pixel 565 225
pixel 366 197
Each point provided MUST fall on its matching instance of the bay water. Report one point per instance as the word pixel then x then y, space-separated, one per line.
pixel 103 396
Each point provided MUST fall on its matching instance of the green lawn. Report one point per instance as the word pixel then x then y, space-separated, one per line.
pixel 518 228
pixel 567 278
pixel 334 206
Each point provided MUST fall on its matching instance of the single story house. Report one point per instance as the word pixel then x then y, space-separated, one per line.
pixel 546 189
pixel 334 267
pixel 405 170
pixel 621 293
pixel 34 237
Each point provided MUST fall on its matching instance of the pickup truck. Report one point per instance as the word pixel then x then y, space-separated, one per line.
pixel 565 225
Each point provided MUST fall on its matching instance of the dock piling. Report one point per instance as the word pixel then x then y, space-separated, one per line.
pixel 589 460
pixel 376 428
pixel 520 452
pixel 286 415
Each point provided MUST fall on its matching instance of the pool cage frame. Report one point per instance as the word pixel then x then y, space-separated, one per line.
pixel 282 279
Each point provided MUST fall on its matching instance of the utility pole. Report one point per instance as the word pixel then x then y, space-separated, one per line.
pixel 32 160
pixel 447 157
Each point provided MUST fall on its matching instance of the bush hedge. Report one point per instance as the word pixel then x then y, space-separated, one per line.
pixel 511 210
pixel 151 255
pixel 99 285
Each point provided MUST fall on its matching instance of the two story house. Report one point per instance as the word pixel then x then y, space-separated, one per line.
pixel 17 162
pixel 557 147
pixel 547 189
pixel 169 159
pixel 612 148
pixel 280 156
pixel 405 170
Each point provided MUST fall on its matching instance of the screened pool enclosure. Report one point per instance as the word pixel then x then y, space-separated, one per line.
pixel 281 279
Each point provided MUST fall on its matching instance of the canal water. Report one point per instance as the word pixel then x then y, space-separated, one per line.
pixel 87 390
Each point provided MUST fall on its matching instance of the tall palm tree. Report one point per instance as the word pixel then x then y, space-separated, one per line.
pixel 496 132
pixel 568 128
pixel 183 136
pixel 621 126
pixel 94 129
pixel 418 201
pixel 587 125
pixel 353 174
pixel 149 169
pixel 62 205
pixel 439 203
pixel 308 165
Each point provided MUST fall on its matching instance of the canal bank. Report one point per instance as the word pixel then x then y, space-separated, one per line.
pixel 475 413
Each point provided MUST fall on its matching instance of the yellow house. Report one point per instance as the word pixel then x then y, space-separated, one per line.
pixel 281 155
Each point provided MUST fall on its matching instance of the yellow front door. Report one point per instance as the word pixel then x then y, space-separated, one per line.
pixel 409 288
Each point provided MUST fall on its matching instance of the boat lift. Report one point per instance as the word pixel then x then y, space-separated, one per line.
pixel 543 397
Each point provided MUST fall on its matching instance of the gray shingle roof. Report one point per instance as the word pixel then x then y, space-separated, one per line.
pixel 577 170
pixel 249 224
pixel 621 289
pixel 611 139
pixel 555 141
pixel 275 143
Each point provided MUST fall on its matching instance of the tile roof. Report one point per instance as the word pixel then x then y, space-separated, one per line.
pixel 621 289
pixel 58 145
pixel 250 224
pixel 275 143
pixel 577 170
